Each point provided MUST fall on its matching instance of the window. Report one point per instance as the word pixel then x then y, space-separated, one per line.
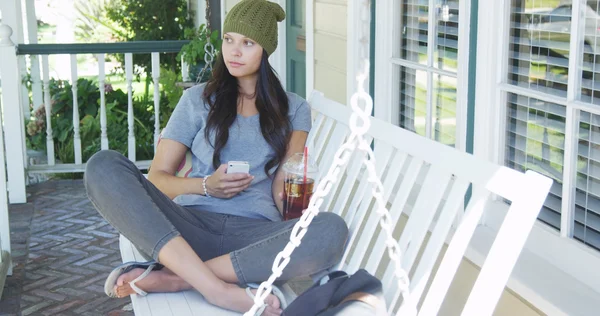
pixel 587 199
pixel 422 66
pixel 548 79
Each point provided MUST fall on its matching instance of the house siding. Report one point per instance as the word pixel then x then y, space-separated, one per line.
pixel 330 27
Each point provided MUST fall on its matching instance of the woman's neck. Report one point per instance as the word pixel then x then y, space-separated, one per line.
pixel 247 95
pixel 247 85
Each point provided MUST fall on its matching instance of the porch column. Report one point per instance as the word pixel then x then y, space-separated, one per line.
pixel 32 33
pixel 13 116
pixel 5 261
pixel 11 16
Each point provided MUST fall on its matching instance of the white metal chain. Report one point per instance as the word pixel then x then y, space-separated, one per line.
pixel 359 125
pixel 323 188
pixel 209 48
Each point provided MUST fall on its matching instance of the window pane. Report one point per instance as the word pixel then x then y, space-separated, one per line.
pixel 535 137
pixel 446 54
pixel 414 26
pixel 590 84
pixel 444 110
pixel 415 14
pixel 539 45
pixel 587 199
pixel 413 99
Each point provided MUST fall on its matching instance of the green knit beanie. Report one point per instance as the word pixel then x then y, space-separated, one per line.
pixel 257 20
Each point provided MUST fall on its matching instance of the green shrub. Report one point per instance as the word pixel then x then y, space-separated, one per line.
pixel 88 99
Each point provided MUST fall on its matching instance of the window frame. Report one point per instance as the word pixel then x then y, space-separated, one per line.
pixel 492 88
pixel 556 249
pixel 386 78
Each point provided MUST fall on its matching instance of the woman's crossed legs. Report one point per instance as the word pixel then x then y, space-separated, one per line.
pixel 234 250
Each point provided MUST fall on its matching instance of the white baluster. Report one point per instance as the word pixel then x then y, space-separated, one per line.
pixel 129 78
pixel 155 78
pixel 36 83
pixel 24 91
pixel 13 116
pixel 185 74
pixel 48 108
pixel 76 136
pixel 101 82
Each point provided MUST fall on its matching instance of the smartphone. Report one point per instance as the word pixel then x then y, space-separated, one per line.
pixel 238 167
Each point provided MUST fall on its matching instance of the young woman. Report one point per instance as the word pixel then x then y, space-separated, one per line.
pixel 215 231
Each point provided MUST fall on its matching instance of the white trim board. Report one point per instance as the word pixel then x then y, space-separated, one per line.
pixel 279 58
pixel 310 46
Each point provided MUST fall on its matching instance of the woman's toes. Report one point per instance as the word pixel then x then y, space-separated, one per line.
pixel 273 301
pixel 129 276
pixel 270 310
pixel 273 306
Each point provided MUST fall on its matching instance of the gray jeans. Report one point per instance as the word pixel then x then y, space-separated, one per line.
pixel 149 219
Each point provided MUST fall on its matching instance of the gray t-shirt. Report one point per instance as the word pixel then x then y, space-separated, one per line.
pixel 246 143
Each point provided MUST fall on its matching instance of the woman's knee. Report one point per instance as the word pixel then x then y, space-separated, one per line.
pixel 335 229
pixel 103 166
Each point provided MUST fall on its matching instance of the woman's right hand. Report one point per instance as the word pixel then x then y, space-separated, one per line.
pixel 225 186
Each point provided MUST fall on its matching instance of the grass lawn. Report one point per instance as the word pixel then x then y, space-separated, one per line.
pixel 118 82
pixel 535 4
pixel 444 111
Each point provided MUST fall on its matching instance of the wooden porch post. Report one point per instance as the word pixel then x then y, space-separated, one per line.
pixel 13 116
pixel 12 17
pixel 5 258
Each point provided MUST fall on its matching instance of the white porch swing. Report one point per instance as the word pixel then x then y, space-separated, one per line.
pixel 425 187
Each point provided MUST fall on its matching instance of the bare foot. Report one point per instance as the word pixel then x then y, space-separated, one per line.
pixel 155 281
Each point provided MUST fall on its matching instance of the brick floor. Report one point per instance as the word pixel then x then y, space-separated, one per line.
pixel 62 251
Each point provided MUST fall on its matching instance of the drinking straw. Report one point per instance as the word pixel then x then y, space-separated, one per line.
pixel 305 162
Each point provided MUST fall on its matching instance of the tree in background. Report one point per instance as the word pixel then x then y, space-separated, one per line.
pixel 150 20
pixel 92 24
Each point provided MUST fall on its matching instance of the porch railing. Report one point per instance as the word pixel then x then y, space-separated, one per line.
pixel 14 110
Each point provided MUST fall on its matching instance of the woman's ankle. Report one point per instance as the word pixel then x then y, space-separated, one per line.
pixel 176 283
pixel 220 294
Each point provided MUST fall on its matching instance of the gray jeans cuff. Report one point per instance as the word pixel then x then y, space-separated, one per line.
pixel 237 268
pixel 163 241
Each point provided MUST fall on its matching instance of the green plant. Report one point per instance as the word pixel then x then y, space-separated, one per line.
pixel 36 130
pixel 193 52
pixel 171 93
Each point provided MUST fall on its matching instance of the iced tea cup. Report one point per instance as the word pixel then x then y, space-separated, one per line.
pixel 298 187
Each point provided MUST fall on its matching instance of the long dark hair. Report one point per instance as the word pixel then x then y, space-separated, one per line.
pixel 221 94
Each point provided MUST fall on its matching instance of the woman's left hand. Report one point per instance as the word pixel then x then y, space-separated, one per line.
pixel 223 185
